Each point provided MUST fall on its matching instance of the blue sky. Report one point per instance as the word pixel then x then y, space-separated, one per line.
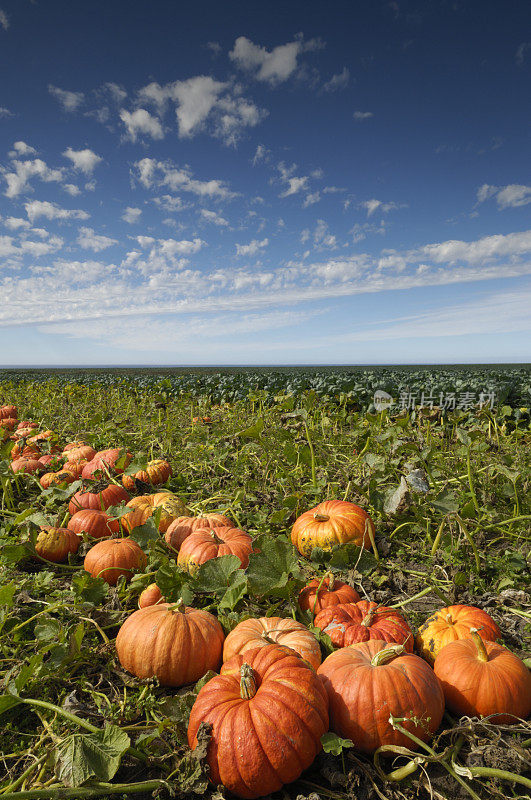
pixel 263 183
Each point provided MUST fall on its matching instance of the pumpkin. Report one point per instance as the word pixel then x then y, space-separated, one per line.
pixel 101 497
pixel 182 527
pixel 267 717
pixel 8 412
pixel 41 437
pixel 203 545
pixel 253 633
pixel 75 446
pixel 107 461
pixel 57 478
pixel 143 507
pixel 451 623
pixel 27 465
pixel 150 596
pixel 22 450
pixel 332 523
pixel 111 558
pixel 54 544
pixel 349 623
pixel 29 424
pixel 52 460
pixel 96 524
pixel 483 679
pixel 170 642
pixel 322 593
pixel 370 681
pixel 22 433
pixel 8 423
pixel 82 453
pixel 156 472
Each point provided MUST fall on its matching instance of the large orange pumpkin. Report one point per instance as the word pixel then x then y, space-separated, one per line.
pixel 54 544
pixel 253 633
pixel 143 507
pixel 368 682
pixel 332 523
pixel 323 593
pixel 111 558
pixel 450 624
pixel 100 498
pixel 267 716
pixel 484 679
pixel 27 465
pixel 156 472
pixel 358 622
pixel 203 545
pixel 96 524
pixel 174 644
pixel 182 527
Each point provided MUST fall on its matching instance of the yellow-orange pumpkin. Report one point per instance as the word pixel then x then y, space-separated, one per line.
pixel 332 523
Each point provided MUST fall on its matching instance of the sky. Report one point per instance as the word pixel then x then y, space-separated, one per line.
pixel 265 182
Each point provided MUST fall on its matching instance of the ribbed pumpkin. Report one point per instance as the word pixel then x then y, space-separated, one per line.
pixel 8 423
pixel 267 718
pixel 54 544
pixel 143 507
pixel 81 453
pixel 111 558
pixel 150 596
pixel 107 461
pixel 203 545
pixel 96 524
pixel 41 437
pixel 174 644
pixel 358 622
pixel 156 472
pixel 323 593
pixel 27 465
pixel 182 527
pixel 253 633
pixel 450 624
pixel 368 682
pixel 27 424
pixel 21 450
pixel 57 478
pixel 7 412
pixel 100 497
pixel 481 678
pixel 332 523
pixel 23 433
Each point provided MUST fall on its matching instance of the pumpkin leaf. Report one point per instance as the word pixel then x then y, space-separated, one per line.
pixel 332 743
pixel 146 533
pixel 82 756
pixel 174 583
pixel 270 569
pixel 253 432
pixel 224 576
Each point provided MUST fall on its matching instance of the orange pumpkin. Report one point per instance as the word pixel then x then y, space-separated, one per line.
pixel 182 527
pixel 332 523
pixel 203 545
pixel 100 498
pixel 143 507
pixel 450 624
pixel 174 644
pixel 8 412
pixel 483 679
pixel 96 524
pixel 350 623
pixel 267 717
pixel 111 558
pixel 83 452
pixel 253 633
pixel 64 476
pixel 370 681
pixel 27 465
pixel 107 461
pixel 151 596
pixel 323 593
pixel 156 472
pixel 54 544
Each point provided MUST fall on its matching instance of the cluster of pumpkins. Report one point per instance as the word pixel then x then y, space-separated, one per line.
pixel 274 697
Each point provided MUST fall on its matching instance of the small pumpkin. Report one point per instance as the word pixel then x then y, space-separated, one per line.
pixel 350 623
pixel 450 624
pixel 253 633
pixel 170 642
pixel 55 544
pixel 100 497
pixel 326 592
pixel 182 527
pixel 156 472
pixel 203 545
pixel 26 465
pixel 370 681
pixel 143 507
pixel 483 679
pixel 8 412
pixel 83 452
pixel 96 524
pixel 111 558
pixel 113 460
pixel 64 476
pixel 267 717
pixel 332 523
pixel 150 596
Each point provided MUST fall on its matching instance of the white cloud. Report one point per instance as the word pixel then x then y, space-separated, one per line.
pixel 84 160
pixel 18 181
pixel 360 116
pixel 262 154
pixel 22 149
pixel 89 240
pixel 16 223
pixel 42 208
pixel 311 199
pixel 195 97
pixel 131 215
pixel 521 52
pixel 214 218
pixel 252 248
pixel 155 174
pixel 321 236
pixel 4 21
pixel 338 81
pixel 70 101
pixel 5 112
pixel 513 195
pixel 141 122
pixel 72 189
pixel 371 206
pixel 271 66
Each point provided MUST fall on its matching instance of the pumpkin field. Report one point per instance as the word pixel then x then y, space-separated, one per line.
pixel 247 584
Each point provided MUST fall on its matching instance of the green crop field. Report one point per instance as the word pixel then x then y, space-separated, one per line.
pixel 443 472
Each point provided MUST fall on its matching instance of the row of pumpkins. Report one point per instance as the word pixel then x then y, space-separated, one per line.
pixel 273 698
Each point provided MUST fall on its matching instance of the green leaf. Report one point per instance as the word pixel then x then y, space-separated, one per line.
pixel 215 575
pixel 235 592
pixel 88 589
pixel 13 553
pixel 82 756
pixel 332 743
pixel 446 502
pixel 270 569
pixel 174 583
pixel 48 629
pixel 146 533
pixel 7 594
pixel 8 701
pixel 253 432
pixel 349 555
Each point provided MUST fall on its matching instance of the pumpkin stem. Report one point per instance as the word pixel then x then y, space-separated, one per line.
pixel 384 656
pixel 321 517
pixel 480 644
pixel 247 682
pixel 267 637
pixel 449 619
pixel 367 620
pixel 178 606
pixel 331 581
pixel 215 537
